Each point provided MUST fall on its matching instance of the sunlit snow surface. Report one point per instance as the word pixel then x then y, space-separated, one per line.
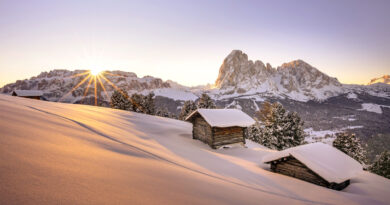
pixel 53 153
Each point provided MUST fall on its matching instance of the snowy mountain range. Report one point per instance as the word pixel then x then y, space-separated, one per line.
pixel 57 83
pixel 238 76
pixel 321 100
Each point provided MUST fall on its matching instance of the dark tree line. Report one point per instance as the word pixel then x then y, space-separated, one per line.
pixel 136 102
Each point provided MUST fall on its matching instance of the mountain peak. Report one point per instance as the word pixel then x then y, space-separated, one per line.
pixel 236 67
pixel 236 55
pixel 296 63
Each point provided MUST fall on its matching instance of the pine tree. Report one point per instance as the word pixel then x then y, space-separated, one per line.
pixel 136 101
pixel 278 129
pixel 253 132
pixel 294 129
pixel 206 102
pixel 143 104
pixel 148 104
pixel 350 145
pixel 163 112
pixel 120 100
pixel 381 165
pixel 188 107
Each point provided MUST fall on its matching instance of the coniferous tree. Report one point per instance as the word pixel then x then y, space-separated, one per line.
pixel 381 165
pixel 254 132
pixel 188 107
pixel 277 129
pixel 148 104
pixel 350 145
pixel 162 112
pixel 120 100
pixel 136 101
pixel 206 102
pixel 143 104
pixel 294 129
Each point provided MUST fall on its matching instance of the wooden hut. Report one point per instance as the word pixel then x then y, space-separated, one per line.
pixel 317 163
pixel 218 127
pixel 32 94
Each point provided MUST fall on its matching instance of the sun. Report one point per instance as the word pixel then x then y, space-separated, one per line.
pixel 95 71
pixel 94 77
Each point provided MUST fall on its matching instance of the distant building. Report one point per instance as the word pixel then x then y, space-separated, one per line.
pixel 317 163
pixel 218 127
pixel 32 94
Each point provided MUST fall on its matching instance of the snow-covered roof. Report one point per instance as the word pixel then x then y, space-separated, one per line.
pixel 326 161
pixel 28 93
pixel 224 117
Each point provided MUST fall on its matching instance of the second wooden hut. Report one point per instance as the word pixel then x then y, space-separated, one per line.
pixel 317 163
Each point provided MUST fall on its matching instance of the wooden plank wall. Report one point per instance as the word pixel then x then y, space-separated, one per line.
pixel 292 167
pixel 202 130
pixel 228 135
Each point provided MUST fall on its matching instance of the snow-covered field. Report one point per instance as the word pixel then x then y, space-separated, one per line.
pixel 52 153
pixel 175 94
pixel 371 107
pixel 327 136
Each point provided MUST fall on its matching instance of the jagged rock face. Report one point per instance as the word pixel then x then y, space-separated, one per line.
pixel 237 69
pixel 302 78
pixel 299 74
pixel 296 80
pixel 384 79
pixel 57 83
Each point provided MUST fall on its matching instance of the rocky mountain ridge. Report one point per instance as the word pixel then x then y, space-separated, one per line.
pixel 296 80
pixel 57 84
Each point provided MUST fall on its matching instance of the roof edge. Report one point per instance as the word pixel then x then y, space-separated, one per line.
pixel 197 111
pixel 190 115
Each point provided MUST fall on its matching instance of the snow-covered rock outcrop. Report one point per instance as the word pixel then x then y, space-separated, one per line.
pixel 384 79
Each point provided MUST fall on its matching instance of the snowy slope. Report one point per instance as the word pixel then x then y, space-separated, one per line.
pixel 52 153
pixel 370 107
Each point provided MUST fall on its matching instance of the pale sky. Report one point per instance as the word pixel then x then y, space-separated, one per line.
pixel 186 41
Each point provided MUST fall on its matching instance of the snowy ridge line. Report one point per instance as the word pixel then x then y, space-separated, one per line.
pixel 170 161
